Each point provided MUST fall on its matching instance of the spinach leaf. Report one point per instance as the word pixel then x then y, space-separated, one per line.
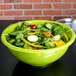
pixel 44 29
pixel 19 43
pixel 48 45
pixel 24 25
pixel 45 40
pixel 11 41
pixel 55 25
pixel 18 28
pixel 45 47
pixel 59 31
pixel 57 28
pixel 39 34
pixel 15 33
pixel 8 37
pixel 26 45
pixel 39 26
pixel 19 35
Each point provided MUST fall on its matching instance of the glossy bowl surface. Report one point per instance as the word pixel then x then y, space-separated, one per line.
pixel 37 57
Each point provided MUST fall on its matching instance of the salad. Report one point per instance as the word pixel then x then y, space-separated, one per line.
pixel 42 36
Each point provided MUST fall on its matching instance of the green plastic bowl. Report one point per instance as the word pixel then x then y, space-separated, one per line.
pixel 38 57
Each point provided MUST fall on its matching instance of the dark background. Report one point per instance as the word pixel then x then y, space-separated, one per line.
pixel 10 66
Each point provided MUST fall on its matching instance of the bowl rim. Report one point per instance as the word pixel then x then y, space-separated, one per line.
pixel 10 46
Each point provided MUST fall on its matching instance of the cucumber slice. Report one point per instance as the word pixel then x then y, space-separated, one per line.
pixel 56 37
pixel 32 38
pixel 49 26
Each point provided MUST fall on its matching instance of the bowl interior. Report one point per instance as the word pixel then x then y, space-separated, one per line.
pixel 11 27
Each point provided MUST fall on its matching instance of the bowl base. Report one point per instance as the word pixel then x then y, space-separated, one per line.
pixel 44 66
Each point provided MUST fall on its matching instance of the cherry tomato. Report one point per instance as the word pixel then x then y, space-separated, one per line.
pixel 33 26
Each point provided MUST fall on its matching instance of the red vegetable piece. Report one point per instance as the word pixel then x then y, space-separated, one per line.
pixel 39 49
pixel 33 26
pixel 33 48
pixel 11 38
pixel 63 36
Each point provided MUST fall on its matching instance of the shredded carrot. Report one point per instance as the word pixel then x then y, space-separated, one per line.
pixel 47 34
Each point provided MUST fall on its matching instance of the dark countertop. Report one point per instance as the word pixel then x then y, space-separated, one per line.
pixel 10 66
